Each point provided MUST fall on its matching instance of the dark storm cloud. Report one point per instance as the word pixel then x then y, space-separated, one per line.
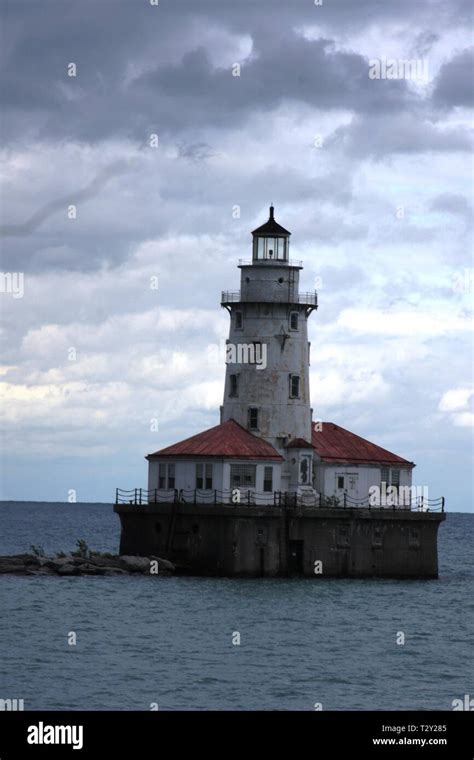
pixel 454 83
pixel 108 39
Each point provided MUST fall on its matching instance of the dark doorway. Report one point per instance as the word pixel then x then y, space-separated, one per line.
pixel 295 557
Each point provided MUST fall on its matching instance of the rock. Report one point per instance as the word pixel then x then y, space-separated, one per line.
pixel 135 564
pixel 13 568
pixel 163 564
pixel 104 561
pixel 68 569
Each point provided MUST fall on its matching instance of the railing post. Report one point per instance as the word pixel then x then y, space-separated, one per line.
pixel 215 496
pixel 248 496
pixel 140 496
pixel 320 499
pixel 135 498
pixel 194 499
pixel 345 499
pixel 116 496
pixel 156 495
pixel 442 504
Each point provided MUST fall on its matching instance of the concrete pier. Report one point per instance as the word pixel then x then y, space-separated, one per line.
pixel 251 541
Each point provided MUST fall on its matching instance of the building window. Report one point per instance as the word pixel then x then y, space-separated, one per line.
pixel 255 354
pixel 268 479
pixel 252 418
pixel 352 481
pixel 204 476
pixel 340 481
pixel 242 475
pixel 234 386
pixel 239 320
pixel 305 469
pixel 294 386
pixel 171 476
pixel 395 478
pixel 294 316
pixel 384 476
pixel 162 476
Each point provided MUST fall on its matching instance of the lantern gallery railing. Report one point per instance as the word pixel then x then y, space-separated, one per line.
pixel 284 262
pixel 306 299
pixel 234 497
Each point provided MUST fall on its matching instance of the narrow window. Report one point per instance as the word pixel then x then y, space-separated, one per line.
pixel 239 321
pixel 162 476
pixel 268 479
pixel 255 353
pixel 199 476
pixel 305 469
pixel 395 478
pixel 171 476
pixel 384 475
pixel 209 476
pixel 340 481
pixel 294 386
pixel 234 386
pixel 294 316
pixel 253 418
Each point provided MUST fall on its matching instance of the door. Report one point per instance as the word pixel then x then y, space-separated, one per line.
pixel 295 557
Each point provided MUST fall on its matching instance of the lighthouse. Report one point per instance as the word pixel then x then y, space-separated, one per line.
pixel 267 491
pixel 267 374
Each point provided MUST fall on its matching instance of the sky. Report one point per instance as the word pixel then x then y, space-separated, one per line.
pixel 143 141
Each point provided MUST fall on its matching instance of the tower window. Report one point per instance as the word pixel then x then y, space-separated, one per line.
pixel 171 476
pixel 234 386
pixel 294 386
pixel 166 475
pixel 239 320
pixel 253 418
pixel 161 476
pixel 268 479
pixel 255 354
pixel 340 481
pixel 294 317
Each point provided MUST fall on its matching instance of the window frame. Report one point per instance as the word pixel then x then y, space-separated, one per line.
pixel 297 315
pixel 253 410
pixel 268 479
pixel 292 379
pixel 234 391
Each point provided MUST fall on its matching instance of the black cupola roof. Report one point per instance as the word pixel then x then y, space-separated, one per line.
pixel 271 227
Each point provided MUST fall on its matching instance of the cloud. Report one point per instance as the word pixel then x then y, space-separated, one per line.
pixel 453 85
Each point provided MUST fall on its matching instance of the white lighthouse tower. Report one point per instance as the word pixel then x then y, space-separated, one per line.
pixel 267 377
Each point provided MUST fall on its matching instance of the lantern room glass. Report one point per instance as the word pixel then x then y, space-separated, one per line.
pixel 270 248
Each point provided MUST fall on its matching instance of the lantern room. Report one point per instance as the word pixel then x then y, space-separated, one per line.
pixel 271 241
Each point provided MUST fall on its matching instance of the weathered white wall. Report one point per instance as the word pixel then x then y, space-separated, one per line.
pixel 266 305
pixel 366 476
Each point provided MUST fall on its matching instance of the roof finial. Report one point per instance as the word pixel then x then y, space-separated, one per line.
pixel 271 210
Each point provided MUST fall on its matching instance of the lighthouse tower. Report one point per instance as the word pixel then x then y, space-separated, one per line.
pixel 268 353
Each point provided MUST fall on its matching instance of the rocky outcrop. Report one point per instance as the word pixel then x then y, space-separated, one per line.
pixel 93 564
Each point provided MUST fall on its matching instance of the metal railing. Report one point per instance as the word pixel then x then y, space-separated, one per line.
pixel 141 496
pixel 283 262
pixel 309 299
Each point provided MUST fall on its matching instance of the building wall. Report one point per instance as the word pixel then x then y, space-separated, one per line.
pixel 364 477
pixel 185 475
pixel 227 540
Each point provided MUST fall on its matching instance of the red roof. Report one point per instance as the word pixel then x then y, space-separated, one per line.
pixel 298 443
pixel 228 440
pixel 337 445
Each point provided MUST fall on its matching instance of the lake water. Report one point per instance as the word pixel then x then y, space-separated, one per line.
pixel 168 640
